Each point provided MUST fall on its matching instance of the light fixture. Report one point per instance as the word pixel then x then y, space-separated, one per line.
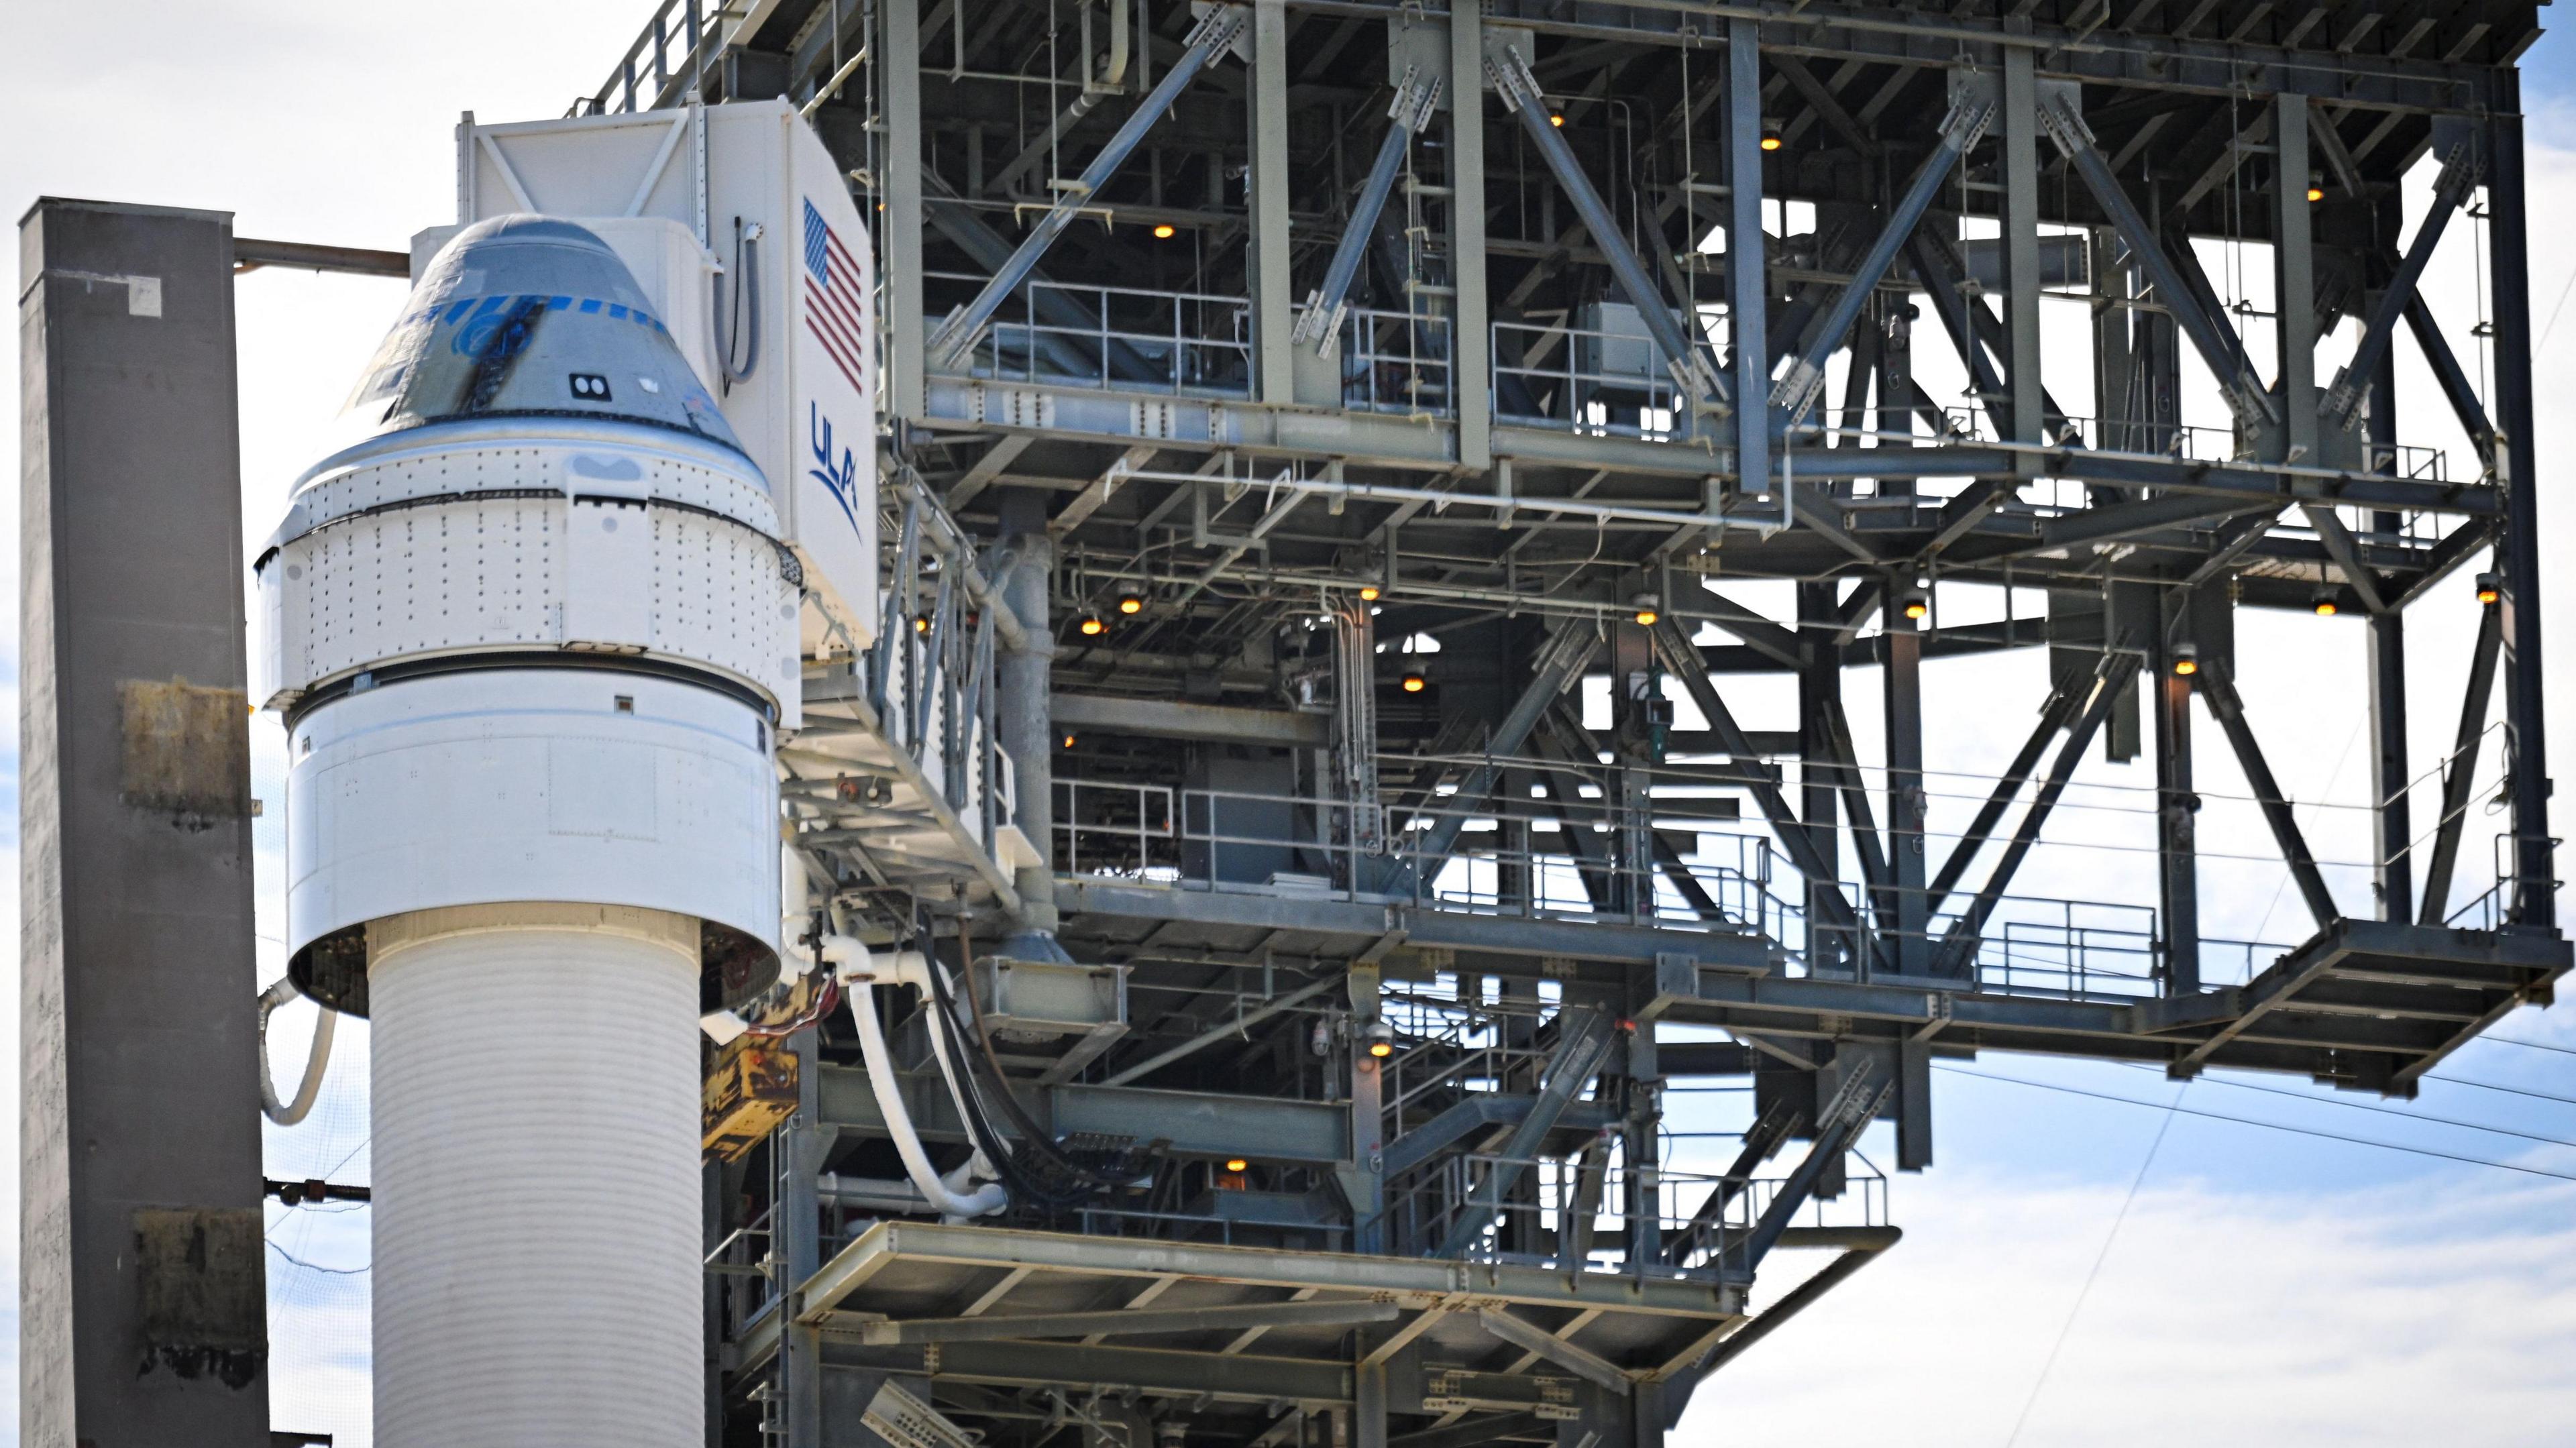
pixel 2488 589
pixel 1414 683
pixel 1237 1164
pixel 1647 610
pixel 1131 603
pixel 1068 741
pixel 1556 119
pixel 1771 139
pixel 2325 606
pixel 1916 606
pixel 1093 625
pixel 1380 1039
pixel 1165 231
pixel 2316 187
pixel 2186 659
pixel 921 623
pixel 1368 593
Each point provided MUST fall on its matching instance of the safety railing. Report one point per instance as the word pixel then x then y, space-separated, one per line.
pixel 1129 338
pixel 1607 384
pixel 1583 858
pixel 1395 362
pixel 1579 1214
pixel 677 44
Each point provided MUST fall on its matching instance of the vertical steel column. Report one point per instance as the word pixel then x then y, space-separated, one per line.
pixel 2294 278
pixel 1364 1180
pixel 1021 681
pixel 1471 338
pixel 795 1220
pixel 2028 412
pixel 1818 800
pixel 2177 806
pixel 2394 875
pixel 906 330
pixel 1906 803
pixel 1273 302
pixel 141 1304
pixel 2508 251
pixel 1640 1134
pixel 1748 287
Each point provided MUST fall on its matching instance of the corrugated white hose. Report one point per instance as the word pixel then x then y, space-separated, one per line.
pixel 317 1057
pixel 532 1062
pixel 858 972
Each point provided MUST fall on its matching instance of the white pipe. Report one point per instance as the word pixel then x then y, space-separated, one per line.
pixel 317 1057
pixel 858 972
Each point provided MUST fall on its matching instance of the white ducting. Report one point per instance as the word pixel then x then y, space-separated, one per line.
pixel 859 972
pixel 531 1062
pixel 317 1057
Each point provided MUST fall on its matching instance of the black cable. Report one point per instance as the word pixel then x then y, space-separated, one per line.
pixel 2508 1090
pixel 2384 1111
pixel 2530 1045
pixel 2268 1125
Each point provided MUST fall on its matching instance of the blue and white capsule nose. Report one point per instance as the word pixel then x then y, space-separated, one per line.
pixel 529 316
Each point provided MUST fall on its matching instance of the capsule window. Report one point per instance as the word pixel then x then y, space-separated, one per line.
pixel 625 703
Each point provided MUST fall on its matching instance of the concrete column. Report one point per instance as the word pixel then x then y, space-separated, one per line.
pixel 1025 721
pixel 142 1293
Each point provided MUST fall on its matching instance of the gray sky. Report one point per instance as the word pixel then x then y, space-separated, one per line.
pixel 2261 1287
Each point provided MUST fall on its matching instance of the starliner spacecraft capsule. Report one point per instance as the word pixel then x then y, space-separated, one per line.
pixel 532 633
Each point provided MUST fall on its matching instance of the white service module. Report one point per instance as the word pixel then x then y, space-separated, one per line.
pixel 739 227
pixel 534 631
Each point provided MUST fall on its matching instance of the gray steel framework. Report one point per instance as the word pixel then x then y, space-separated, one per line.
pixel 1566 377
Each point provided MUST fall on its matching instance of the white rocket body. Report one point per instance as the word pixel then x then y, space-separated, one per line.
pixel 534 634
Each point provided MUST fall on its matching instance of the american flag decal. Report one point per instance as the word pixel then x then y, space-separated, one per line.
pixel 834 300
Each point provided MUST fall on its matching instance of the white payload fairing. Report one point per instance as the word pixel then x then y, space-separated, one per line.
pixel 533 633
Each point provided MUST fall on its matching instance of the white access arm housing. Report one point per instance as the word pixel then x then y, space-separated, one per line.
pixel 731 218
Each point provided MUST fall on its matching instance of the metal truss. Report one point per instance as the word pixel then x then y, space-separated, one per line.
pixel 1609 314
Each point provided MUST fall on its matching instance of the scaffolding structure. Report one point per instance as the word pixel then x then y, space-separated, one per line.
pixel 1349 463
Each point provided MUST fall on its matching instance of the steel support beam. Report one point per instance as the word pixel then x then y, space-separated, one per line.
pixel 1560 663
pixel 1837 1126
pixel 2177 802
pixel 1578 1055
pixel 2535 884
pixel 2025 412
pixel 1271 247
pixel 2220 691
pixel 1521 95
pixel 1121 1322
pixel 1960 129
pixel 1959 945
pixel 906 326
pixel 1908 807
pixel 2251 401
pixel 1214 33
pixel 2451 189
pixel 1471 337
pixel 1748 286
pixel 2459 772
pixel 1683 659
pixel 2053 716
pixel 1320 325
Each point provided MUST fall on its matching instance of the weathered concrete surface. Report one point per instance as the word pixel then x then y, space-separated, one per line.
pixel 141 1315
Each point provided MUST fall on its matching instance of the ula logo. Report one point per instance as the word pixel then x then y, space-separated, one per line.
pixel 841 477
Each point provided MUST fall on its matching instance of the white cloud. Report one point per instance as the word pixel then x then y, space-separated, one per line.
pixel 2441 1312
